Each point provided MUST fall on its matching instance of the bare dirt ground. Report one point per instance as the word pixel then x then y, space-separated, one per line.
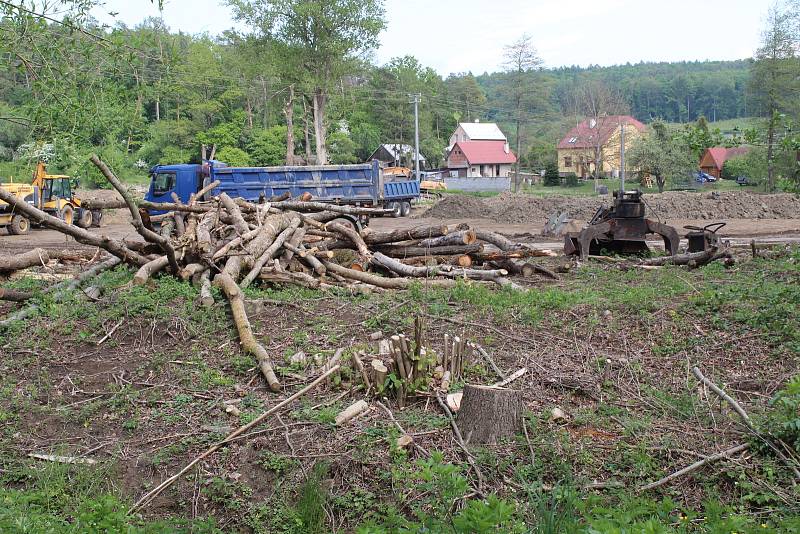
pixel 741 230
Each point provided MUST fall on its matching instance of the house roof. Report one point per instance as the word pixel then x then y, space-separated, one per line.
pixel 719 154
pixel 483 152
pixel 397 151
pixel 583 135
pixel 482 131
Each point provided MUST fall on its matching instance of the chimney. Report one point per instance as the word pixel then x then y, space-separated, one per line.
pixel 506 148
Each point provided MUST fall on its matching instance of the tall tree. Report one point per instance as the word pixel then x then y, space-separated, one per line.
pixel 599 104
pixel 520 58
pixel 775 74
pixel 323 38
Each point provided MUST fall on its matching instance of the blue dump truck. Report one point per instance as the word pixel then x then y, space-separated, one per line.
pixel 357 185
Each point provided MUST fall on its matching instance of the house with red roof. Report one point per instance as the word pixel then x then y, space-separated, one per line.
pixel 578 149
pixel 488 159
pixel 714 158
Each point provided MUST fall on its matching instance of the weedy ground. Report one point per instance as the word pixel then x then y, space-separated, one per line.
pixel 613 349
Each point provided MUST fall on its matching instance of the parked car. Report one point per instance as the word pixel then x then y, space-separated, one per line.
pixel 702 177
pixel 744 180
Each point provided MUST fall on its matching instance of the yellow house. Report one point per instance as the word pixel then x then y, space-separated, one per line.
pixel 576 151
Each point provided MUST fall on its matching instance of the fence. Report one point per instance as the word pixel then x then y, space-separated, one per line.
pixel 479 184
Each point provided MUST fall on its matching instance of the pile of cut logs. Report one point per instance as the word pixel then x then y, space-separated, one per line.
pixel 230 243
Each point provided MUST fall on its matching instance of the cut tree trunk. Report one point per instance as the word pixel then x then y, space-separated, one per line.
pixel 13 295
pixel 372 237
pixel 495 239
pixel 464 237
pixel 699 258
pixel 32 258
pixel 352 235
pixel 489 413
pixel 248 340
pixel 149 269
pixel 443 270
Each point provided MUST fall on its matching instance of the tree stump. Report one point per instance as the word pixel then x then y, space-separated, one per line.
pixel 489 413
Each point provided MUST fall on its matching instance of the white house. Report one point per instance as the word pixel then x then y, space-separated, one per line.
pixel 476 131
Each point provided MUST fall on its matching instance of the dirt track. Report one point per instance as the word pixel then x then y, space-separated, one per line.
pixel 741 230
pixel 774 218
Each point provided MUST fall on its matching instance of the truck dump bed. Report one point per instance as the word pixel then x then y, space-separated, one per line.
pixel 330 183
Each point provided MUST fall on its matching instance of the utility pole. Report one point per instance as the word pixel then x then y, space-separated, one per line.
pixel 416 98
pixel 622 159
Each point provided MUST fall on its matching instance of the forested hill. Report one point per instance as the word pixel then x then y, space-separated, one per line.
pixel 674 92
pixel 147 95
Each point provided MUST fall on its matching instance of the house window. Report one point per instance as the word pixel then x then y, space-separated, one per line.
pixel 567 161
pixel 573 139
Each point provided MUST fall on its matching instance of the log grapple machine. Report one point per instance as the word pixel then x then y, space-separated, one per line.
pixel 621 228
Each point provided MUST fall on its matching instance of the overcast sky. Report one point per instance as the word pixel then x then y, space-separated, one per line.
pixel 468 35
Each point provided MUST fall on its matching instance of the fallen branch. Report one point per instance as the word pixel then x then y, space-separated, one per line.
pixel 149 269
pixel 63 459
pixel 246 337
pixel 746 419
pixel 380 281
pixel 147 234
pixel 695 466
pixel 155 492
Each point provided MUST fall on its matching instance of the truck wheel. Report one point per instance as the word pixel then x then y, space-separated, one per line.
pixel 97 218
pixel 397 209
pixel 405 208
pixel 19 225
pixel 66 214
pixel 85 219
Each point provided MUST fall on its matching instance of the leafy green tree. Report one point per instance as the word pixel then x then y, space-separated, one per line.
pixel 268 146
pixel 662 156
pixel 342 149
pixel 323 37
pixel 752 165
pixel 235 157
pixel 775 77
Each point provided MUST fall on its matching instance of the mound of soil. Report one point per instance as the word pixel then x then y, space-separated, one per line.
pixel 510 208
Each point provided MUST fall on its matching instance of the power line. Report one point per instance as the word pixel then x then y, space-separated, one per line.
pixel 76 28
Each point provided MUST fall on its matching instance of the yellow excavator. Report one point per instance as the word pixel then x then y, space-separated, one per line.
pixel 51 193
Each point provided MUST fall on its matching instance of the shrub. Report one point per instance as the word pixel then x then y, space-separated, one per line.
pixel 572 180
pixel 783 421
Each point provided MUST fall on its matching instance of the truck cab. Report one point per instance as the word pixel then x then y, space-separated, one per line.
pixel 183 180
